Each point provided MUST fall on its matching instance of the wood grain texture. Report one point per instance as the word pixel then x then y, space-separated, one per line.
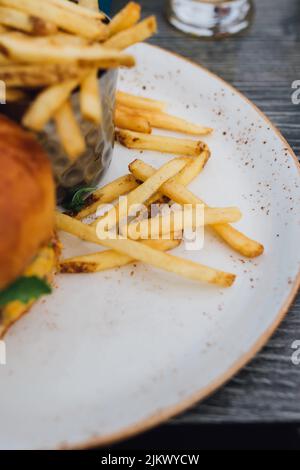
pixel 262 63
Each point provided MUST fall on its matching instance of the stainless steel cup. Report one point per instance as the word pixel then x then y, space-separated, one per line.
pixel 89 168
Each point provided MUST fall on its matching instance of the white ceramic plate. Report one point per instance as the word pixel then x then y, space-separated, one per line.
pixel 112 354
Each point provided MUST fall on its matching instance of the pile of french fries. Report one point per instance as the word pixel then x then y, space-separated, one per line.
pixel 138 114
pixel 57 46
pixel 147 185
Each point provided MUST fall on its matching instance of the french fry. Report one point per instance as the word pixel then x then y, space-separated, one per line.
pixel 165 225
pixel 173 190
pixel 3 59
pixel 47 104
pixel 138 102
pixel 65 15
pixel 81 9
pixel 178 193
pixel 90 98
pixel 69 131
pixel 125 119
pixel 135 140
pixel 13 95
pixel 91 4
pixel 109 259
pixel 3 29
pixel 193 167
pixel 165 121
pixel 22 48
pixel 138 33
pixel 239 241
pixel 108 194
pixel 145 254
pixel 125 19
pixel 36 76
pixel 142 193
pixel 61 39
pixel 23 22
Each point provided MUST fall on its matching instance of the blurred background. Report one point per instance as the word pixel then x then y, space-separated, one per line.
pixel 205 18
pixel 105 6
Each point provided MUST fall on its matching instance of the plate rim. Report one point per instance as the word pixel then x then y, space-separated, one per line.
pixel 167 413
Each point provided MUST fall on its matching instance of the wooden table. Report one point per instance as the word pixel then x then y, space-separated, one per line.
pixel 262 63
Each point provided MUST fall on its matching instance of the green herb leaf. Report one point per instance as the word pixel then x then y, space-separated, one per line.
pixel 24 290
pixel 78 199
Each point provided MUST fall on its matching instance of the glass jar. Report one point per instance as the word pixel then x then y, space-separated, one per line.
pixel 210 18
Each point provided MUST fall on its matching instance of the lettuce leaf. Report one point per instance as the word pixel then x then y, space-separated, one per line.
pixel 78 200
pixel 24 290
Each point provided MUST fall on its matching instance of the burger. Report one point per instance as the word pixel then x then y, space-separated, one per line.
pixel 28 249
